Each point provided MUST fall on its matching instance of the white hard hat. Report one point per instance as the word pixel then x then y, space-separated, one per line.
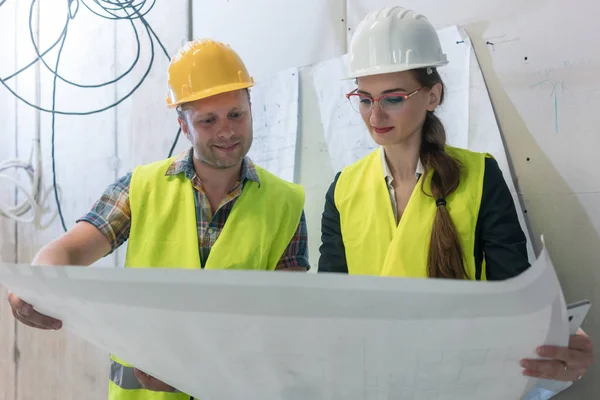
pixel 394 39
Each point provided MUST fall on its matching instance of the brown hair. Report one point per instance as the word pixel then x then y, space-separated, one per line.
pixel 445 259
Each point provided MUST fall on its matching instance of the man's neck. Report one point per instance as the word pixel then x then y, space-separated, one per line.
pixel 216 180
pixel 403 158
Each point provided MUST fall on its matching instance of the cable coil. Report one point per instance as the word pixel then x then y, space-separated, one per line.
pixel 129 10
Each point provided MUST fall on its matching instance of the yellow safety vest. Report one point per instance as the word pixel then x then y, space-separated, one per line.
pixel 375 245
pixel 164 234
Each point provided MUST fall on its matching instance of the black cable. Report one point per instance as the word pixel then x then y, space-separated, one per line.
pixel 174 143
pixel 54 72
pixel 36 60
pixel 72 13
pixel 121 6
pixel 2 81
pixel 130 10
pixel 62 220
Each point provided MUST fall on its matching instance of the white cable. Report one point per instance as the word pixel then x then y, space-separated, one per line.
pixel 32 195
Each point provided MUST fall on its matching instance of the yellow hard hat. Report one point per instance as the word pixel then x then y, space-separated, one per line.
pixel 204 68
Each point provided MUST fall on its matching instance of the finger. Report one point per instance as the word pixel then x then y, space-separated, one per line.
pixel 160 386
pixel 28 323
pixel 554 352
pixel 581 332
pixel 163 387
pixel 151 383
pixel 25 312
pixel 141 377
pixel 147 381
pixel 16 303
pixel 144 379
pixel 581 341
pixel 580 356
pixel 571 376
pixel 41 320
pixel 548 369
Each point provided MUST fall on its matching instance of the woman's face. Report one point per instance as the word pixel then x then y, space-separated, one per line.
pixel 401 118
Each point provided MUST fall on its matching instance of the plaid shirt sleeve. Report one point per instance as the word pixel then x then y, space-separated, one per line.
pixel 111 214
pixel 296 254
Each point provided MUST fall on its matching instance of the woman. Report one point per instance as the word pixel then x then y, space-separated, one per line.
pixel 416 207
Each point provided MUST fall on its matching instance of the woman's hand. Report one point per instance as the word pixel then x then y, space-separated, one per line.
pixel 563 363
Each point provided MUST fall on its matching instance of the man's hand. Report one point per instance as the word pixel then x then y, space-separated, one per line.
pixel 151 383
pixel 25 314
pixel 564 363
pixel 83 244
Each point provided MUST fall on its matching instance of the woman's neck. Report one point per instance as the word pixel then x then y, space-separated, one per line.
pixel 402 159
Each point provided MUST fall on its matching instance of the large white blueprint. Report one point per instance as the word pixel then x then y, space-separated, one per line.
pixel 271 336
pixel 275 122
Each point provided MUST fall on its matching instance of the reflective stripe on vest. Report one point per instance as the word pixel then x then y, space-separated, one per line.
pixel 375 245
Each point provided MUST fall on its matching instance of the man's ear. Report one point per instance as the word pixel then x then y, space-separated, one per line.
pixel 435 96
pixel 249 98
pixel 182 120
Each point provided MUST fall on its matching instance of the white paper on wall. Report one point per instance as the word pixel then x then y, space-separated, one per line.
pixel 275 122
pixel 345 133
pixel 261 335
pixel 454 111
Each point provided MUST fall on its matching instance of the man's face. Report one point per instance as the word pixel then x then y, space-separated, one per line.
pixel 219 128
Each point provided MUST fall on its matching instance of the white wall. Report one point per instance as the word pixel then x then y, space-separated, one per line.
pixel 274 35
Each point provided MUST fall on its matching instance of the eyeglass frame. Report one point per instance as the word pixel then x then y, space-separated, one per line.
pixel 374 99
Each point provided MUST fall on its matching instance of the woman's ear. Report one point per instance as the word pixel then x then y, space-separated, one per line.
pixel 435 96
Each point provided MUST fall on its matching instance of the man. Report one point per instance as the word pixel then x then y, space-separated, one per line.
pixel 210 207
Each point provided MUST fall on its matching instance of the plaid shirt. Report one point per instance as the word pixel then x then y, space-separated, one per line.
pixel 111 214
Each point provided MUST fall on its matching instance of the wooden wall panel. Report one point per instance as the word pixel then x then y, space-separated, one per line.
pixel 7 198
pixel 64 366
pixel 87 150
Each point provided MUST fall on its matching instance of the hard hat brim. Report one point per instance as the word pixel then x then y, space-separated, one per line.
pixel 387 69
pixel 210 92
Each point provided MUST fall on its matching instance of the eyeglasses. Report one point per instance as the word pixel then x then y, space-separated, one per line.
pixel 389 103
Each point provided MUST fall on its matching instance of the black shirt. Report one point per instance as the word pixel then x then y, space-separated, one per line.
pixel 498 234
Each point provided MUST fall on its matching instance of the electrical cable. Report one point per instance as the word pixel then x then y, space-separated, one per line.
pixel 133 10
